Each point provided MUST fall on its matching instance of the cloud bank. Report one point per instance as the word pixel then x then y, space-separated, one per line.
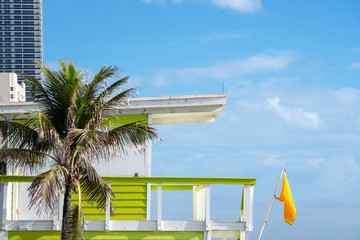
pixel 248 6
pixel 243 6
pixel 355 65
pixel 296 116
pixel 227 69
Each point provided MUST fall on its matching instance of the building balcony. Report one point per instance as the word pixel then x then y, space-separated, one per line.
pixel 133 205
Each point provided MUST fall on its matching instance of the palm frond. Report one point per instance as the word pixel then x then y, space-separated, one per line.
pixel 93 187
pixel 92 89
pixel 90 144
pixel 23 158
pixel 45 188
pixel 113 87
pixel 77 223
pixel 94 98
pixel 38 121
pixel 104 73
pixel 132 134
pixel 35 86
pixel 101 144
pixel 57 94
pixel 122 96
pixel 22 136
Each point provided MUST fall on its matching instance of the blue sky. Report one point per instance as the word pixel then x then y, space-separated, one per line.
pixel 292 74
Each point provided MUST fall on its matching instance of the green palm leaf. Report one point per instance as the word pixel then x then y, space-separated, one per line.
pixel 21 135
pixel 45 188
pixel 23 158
pixel 93 187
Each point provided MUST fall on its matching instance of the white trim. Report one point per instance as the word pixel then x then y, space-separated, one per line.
pixel 147 160
pixel 207 235
pixel 148 201
pixel 249 206
pixel 195 203
pixel 121 225
pixel 164 110
pixel 207 213
pixel 207 206
pixel 107 212
pixel 15 201
pixel 227 226
pixel 147 155
pixel 159 208
pixel 56 216
pixel 9 200
pixel 60 210
pixel 3 235
pixel 3 205
pixel 39 225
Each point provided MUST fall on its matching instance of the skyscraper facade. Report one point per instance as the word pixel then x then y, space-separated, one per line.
pixel 21 38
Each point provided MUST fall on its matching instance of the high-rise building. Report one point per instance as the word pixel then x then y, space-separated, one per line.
pixel 21 38
pixel 10 90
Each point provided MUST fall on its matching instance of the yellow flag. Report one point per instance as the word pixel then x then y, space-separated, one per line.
pixel 289 206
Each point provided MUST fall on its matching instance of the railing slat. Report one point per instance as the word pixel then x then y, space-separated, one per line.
pixel 249 206
pixel 107 212
pixel 159 208
pixel 3 205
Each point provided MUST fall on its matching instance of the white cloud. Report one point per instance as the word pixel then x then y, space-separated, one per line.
pixel 246 6
pixel 244 82
pixel 136 81
pixel 163 2
pixel 296 116
pixel 335 173
pixel 249 6
pixel 219 36
pixel 159 80
pixel 347 94
pixel 157 2
pixel 356 50
pixel 235 68
pixel 355 65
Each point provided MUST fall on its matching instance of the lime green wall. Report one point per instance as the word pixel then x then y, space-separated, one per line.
pixel 34 235
pixel 55 235
pixel 117 121
pixel 130 203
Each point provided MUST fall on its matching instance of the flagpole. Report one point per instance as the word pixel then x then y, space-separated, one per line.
pixel 271 201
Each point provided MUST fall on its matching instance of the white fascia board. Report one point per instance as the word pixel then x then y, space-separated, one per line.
pixel 124 225
pixel 164 110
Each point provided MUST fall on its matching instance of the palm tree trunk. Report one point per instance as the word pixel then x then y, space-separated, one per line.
pixel 65 233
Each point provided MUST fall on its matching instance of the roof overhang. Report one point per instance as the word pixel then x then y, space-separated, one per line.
pixel 163 110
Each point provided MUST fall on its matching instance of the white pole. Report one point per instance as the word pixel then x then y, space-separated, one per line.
pixel 271 201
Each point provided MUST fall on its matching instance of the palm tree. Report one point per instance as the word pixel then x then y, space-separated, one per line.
pixel 70 130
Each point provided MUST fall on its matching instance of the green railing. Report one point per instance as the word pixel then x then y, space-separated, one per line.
pixel 132 203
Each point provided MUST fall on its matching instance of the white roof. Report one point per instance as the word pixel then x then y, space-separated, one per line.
pixel 163 110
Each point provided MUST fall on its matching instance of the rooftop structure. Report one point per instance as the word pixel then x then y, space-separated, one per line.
pixel 135 195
